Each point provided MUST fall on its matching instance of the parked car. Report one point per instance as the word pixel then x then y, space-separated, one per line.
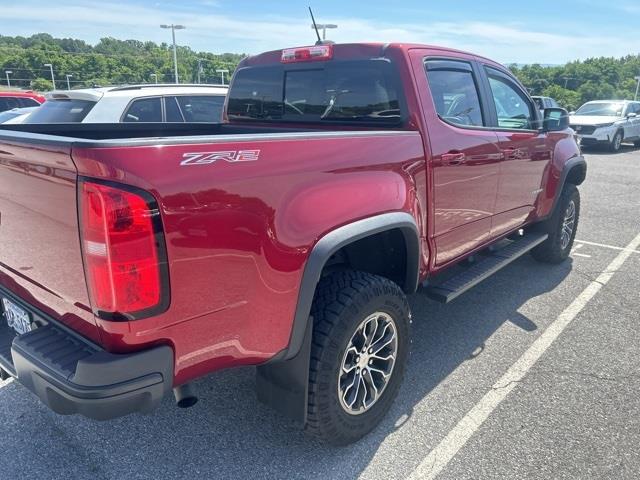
pixel 16 115
pixel 545 102
pixel 10 99
pixel 343 178
pixel 134 104
pixel 608 122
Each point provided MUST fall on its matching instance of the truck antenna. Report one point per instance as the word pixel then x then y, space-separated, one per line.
pixel 319 42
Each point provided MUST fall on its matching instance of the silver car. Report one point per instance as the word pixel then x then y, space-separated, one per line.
pixel 609 122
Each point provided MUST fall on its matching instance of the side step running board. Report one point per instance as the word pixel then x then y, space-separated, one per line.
pixel 457 285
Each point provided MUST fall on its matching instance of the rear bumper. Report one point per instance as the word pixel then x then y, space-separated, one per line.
pixel 71 376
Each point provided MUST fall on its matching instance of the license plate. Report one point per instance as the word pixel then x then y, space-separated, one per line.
pixel 17 317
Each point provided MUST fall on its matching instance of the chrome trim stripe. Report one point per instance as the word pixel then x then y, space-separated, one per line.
pixel 36 138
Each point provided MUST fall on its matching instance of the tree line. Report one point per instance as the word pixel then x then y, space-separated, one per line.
pixel 112 61
pixel 582 81
pixel 109 62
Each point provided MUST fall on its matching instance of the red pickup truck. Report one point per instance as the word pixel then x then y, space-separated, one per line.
pixel 137 258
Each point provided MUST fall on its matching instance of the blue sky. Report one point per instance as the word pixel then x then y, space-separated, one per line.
pixel 541 31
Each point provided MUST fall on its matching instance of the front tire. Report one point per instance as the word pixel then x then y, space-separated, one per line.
pixel 358 355
pixel 561 228
pixel 616 142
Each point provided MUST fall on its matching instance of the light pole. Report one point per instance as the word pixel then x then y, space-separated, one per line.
pixel 155 78
pixel 637 87
pixel 200 60
pixel 324 27
pixel 222 72
pixel 7 73
pixel 53 80
pixel 175 52
pixel 69 75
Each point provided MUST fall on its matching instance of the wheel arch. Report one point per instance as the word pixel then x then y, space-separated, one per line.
pixel 282 382
pixel 336 240
pixel 574 171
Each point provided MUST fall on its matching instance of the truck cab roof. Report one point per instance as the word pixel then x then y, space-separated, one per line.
pixel 349 51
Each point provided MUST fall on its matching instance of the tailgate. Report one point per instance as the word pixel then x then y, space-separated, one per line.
pixel 40 258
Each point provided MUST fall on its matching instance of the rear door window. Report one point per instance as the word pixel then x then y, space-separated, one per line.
pixel 201 108
pixel 172 110
pixel 455 92
pixel 144 110
pixel 61 111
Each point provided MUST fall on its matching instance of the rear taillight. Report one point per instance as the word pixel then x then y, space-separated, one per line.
pixel 307 54
pixel 124 251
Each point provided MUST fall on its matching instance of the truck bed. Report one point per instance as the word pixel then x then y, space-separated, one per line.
pixel 238 228
pixel 134 131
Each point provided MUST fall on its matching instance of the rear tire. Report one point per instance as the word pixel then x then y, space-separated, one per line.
pixel 616 142
pixel 355 314
pixel 561 228
pixel 636 144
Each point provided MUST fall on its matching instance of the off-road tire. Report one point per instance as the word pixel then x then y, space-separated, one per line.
pixel 342 301
pixel 552 250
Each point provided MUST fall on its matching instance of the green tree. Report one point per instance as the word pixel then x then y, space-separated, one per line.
pixel 568 99
pixel 41 84
pixel 110 61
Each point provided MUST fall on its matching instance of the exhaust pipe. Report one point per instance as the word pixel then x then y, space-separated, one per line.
pixel 185 397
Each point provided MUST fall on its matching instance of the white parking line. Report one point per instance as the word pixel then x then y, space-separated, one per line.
pixel 443 453
pixel 612 247
pixel 578 246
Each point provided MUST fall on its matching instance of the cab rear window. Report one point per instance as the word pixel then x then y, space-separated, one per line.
pixel 61 111
pixel 355 92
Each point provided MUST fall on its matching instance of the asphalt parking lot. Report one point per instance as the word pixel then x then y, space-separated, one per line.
pixel 533 374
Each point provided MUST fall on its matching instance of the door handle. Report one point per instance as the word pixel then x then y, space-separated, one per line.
pixel 510 153
pixel 452 158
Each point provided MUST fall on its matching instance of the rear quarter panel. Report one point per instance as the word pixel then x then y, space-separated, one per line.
pixel 238 233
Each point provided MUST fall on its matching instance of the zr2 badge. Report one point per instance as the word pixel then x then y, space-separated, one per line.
pixel 231 156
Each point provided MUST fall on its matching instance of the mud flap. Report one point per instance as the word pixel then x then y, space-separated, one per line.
pixel 284 385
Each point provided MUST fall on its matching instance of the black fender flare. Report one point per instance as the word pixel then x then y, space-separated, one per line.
pixel 577 162
pixel 282 382
pixel 333 241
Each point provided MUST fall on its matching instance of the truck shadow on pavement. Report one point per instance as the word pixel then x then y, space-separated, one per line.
pixel 229 434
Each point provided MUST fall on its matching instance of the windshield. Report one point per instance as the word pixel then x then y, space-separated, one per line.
pixel 61 111
pixel 602 109
pixel 355 92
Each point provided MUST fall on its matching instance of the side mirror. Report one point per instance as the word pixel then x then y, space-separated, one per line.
pixel 632 115
pixel 555 120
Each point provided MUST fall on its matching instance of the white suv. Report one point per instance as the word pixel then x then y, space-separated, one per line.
pixel 133 104
pixel 607 121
